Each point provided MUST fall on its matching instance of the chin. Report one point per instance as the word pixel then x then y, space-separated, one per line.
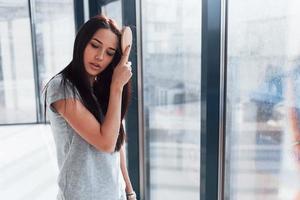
pixel 92 72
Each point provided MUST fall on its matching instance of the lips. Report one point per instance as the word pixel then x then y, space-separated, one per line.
pixel 94 65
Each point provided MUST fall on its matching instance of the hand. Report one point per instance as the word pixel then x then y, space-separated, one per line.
pixel 122 73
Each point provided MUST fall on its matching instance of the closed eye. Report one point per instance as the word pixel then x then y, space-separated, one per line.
pixel 94 45
pixel 110 53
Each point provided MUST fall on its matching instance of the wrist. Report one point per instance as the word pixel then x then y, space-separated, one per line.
pixel 128 188
pixel 131 196
pixel 129 191
pixel 116 88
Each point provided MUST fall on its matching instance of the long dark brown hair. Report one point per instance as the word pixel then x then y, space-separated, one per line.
pixel 75 73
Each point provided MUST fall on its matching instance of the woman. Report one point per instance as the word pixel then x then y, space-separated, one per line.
pixel 87 102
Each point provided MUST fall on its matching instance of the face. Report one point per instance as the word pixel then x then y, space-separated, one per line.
pixel 99 51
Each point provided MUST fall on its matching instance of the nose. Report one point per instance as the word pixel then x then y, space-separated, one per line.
pixel 100 55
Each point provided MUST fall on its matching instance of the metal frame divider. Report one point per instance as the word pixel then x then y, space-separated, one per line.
pixel 223 93
pixel 31 6
pixel 78 13
pixel 94 8
pixel 212 107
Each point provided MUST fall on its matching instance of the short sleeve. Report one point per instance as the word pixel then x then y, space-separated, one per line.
pixel 56 91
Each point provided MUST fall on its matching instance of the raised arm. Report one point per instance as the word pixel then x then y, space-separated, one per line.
pixel 103 137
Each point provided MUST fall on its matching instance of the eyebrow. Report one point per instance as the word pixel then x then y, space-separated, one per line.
pixel 102 43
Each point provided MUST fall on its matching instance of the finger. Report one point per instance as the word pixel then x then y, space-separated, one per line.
pixel 128 66
pixel 125 55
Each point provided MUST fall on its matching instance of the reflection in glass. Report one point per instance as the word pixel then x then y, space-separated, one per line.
pixel 171 85
pixel 263 56
pixel 17 95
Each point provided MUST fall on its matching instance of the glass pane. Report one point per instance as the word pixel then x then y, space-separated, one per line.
pixel 55 34
pixel 171 75
pixel 263 100
pixel 114 10
pixel 17 93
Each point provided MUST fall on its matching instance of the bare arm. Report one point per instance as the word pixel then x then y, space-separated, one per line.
pixel 102 137
pixel 128 188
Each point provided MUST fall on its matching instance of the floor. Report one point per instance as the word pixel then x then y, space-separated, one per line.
pixel 28 168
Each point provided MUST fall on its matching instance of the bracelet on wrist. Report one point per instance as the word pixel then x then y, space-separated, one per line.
pixel 131 196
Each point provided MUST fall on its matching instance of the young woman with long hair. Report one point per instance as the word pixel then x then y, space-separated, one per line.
pixel 86 103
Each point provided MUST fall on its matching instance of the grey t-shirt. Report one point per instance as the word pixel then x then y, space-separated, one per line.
pixel 85 173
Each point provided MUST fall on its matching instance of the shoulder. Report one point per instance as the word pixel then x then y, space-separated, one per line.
pixel 60 88
pixel 55 82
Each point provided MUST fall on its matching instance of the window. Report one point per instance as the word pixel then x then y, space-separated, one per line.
pixel 114 10
pixel 171 75
pixel 17 94
pixel 263 57
pixel 55 34
pixel 27 155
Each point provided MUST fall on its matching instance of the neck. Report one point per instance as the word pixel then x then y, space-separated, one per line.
pixel 92 80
